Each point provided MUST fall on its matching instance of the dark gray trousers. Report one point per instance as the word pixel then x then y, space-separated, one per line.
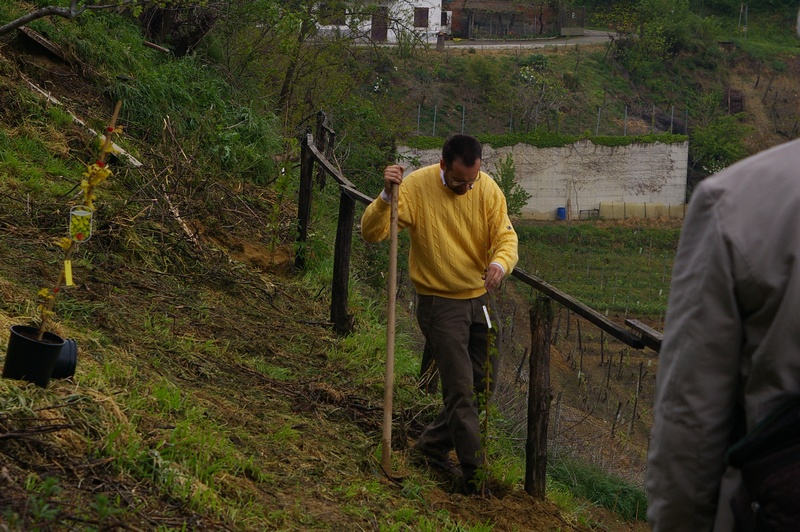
pixel 457 333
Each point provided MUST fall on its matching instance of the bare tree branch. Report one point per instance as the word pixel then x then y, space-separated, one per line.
pixel 66 12
pixel 71 12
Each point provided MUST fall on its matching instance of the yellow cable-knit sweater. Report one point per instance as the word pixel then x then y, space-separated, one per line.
pixel 453 238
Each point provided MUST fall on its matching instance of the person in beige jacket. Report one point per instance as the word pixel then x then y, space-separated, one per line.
pixel 731 348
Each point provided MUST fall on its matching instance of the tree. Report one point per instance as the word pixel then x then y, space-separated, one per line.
pixel 718 144
pixel 539 92
pixel 78 7
pixel 277 48
pixel 651 33
pixel 506 178
pixel 675 22
pixel 307 55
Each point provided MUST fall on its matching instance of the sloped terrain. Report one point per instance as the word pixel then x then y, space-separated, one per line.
pixel 210 392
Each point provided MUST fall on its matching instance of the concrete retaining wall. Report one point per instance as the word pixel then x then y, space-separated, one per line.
pixel 586 179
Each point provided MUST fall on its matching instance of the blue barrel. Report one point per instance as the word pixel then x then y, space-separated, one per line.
pixel 561 213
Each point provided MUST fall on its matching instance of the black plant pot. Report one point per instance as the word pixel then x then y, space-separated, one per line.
pixel 66 361
pixel 30 359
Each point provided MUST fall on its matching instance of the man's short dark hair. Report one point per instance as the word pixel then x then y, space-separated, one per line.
pixel 465 148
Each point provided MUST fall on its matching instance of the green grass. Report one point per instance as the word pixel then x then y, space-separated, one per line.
pixel 568 476
pixel 614 269
pixel 32 155
pixel 562 496
pixel 363 355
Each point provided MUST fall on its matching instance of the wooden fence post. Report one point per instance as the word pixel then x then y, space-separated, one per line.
pixel 342 321
pixel 304 204
pixel 321 140
pixel 330 142
pixel 636 399
pixel 541 315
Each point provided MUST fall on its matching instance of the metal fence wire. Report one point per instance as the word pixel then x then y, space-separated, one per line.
pixel 612 119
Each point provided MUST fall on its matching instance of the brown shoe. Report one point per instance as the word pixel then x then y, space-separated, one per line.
pixel 470 487
pixel 442 464
pixel 471 484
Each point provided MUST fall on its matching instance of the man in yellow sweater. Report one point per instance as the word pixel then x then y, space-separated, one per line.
pixel 462 246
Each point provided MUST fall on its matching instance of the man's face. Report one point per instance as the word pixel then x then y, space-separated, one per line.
pixel 460 178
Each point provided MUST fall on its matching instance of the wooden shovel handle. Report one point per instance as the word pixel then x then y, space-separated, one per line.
pixel 386 448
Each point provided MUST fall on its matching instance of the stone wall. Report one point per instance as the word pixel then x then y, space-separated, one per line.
pixel 579 177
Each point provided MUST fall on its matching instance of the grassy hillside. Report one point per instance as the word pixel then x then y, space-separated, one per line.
pixel 210 391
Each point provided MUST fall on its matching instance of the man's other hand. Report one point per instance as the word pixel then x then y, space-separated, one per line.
pixel 493 277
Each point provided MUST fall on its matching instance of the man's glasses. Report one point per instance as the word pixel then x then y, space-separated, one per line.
pixel 459 184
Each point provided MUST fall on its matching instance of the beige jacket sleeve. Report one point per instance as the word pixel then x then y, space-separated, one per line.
pixel 731 349
pixel 697 377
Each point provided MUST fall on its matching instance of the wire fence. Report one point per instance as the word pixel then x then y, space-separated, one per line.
pixel 602 393
pixel 612 119
pixel 601 389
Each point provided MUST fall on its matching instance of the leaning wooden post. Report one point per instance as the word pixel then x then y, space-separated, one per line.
pixel 330 142
pixel 342 321
pixel 541 314
pixel 321 143
pixel 304 202
pixel 321 130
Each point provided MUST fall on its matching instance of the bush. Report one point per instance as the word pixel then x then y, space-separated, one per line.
pixel 240 139
pixel 536 61
pixel 369 144
pixel 505 176
pixel 718 144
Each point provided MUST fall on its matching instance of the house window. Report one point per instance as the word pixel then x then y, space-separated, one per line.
pixel 420 17
pixel 445 21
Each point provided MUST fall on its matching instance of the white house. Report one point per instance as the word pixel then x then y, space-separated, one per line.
pixel 389 21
